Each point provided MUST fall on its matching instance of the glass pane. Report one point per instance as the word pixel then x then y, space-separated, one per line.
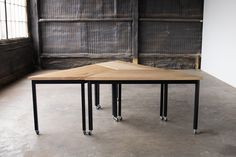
pixel 2 21
pixel 17 19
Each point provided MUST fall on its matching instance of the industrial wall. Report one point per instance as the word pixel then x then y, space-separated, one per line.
pixel 16 57
pixel 16 60
pixel 163 33
pixel 219 42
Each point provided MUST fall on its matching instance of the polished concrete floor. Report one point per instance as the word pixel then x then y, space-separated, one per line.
pixel 140 134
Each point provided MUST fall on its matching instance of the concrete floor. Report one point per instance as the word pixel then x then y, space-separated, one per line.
pixel 140 134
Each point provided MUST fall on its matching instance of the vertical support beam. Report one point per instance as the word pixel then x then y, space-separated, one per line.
pixel 165 100
pixel 115 8
pixel 28 17
pixel 83 108
pixel 39 52
pixel 90 108
pixel 135 16
pixel 197 62
pixel 161 102
pixel 196 107
pixel 5 5
pixel 35 110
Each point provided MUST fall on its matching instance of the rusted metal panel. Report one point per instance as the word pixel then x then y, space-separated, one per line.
pixel 170 33
pixel 170 37
pixel 171 61
pixel 107 29
pixel 85 8
pixel 135 30
pixel 86 38
pixel 171 8
pixel 16 59
pixel 65 63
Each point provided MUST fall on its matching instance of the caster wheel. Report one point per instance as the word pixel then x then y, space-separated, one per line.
pixel 98 107
pixel 195 132
pixel 37 132
pixel 161 118
pixel 119 118
pixel 87 133
pixel 115 118
pixel 165 119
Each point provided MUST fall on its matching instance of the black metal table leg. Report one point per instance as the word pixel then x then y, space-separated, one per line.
pixel 161 102
pixel 97 96
pixel 165 101
pixel 83 108
pixel 90 108
pixel 114 101
pixel 36 127
pixel 119 102
pixel 196 106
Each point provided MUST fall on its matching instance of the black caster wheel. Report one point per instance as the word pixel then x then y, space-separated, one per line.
pixel 165 119
pixel 119 118
pixel 98 107
pixel 87 133
pixel 37 132
pixel 115 118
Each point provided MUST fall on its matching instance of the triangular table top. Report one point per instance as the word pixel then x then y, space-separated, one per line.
pixel 116 70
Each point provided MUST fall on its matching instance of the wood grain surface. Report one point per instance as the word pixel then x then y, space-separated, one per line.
pixel 116 70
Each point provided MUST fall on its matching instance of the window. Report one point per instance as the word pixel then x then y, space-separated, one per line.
pixel 13 19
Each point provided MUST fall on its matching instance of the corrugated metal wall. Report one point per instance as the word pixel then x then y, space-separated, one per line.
pixel 163 33
pixel 16 60
pixel 92 38
pixel 170 33
pixel 171 8
pixel 85 8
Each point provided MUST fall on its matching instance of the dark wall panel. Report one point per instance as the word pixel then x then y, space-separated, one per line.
pixel 172 62
pixel 16 59
pixel 86 37
pixel 170 33
pixel 68 62
pixel 171 8
pixel 85 8
pixel 162 33
pixel 170 37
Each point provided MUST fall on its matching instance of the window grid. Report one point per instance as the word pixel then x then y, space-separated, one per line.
pixel 13 19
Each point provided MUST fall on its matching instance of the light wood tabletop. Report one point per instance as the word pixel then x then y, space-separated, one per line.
pixel 116 70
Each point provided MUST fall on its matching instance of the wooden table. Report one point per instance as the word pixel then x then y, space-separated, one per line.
pixel 116 73
pixel 70 76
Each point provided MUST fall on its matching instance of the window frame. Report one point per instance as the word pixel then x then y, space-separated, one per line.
pixel 12 40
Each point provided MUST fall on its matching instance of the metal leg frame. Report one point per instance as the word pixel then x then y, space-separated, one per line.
pixel 116 97
pixel 116 100
pixel 119 102
pixel 90 109
pixel 161 102
pixel 35 110
pixel 97 96
pixel 165 102
pixel 196 107
pixel 83 108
